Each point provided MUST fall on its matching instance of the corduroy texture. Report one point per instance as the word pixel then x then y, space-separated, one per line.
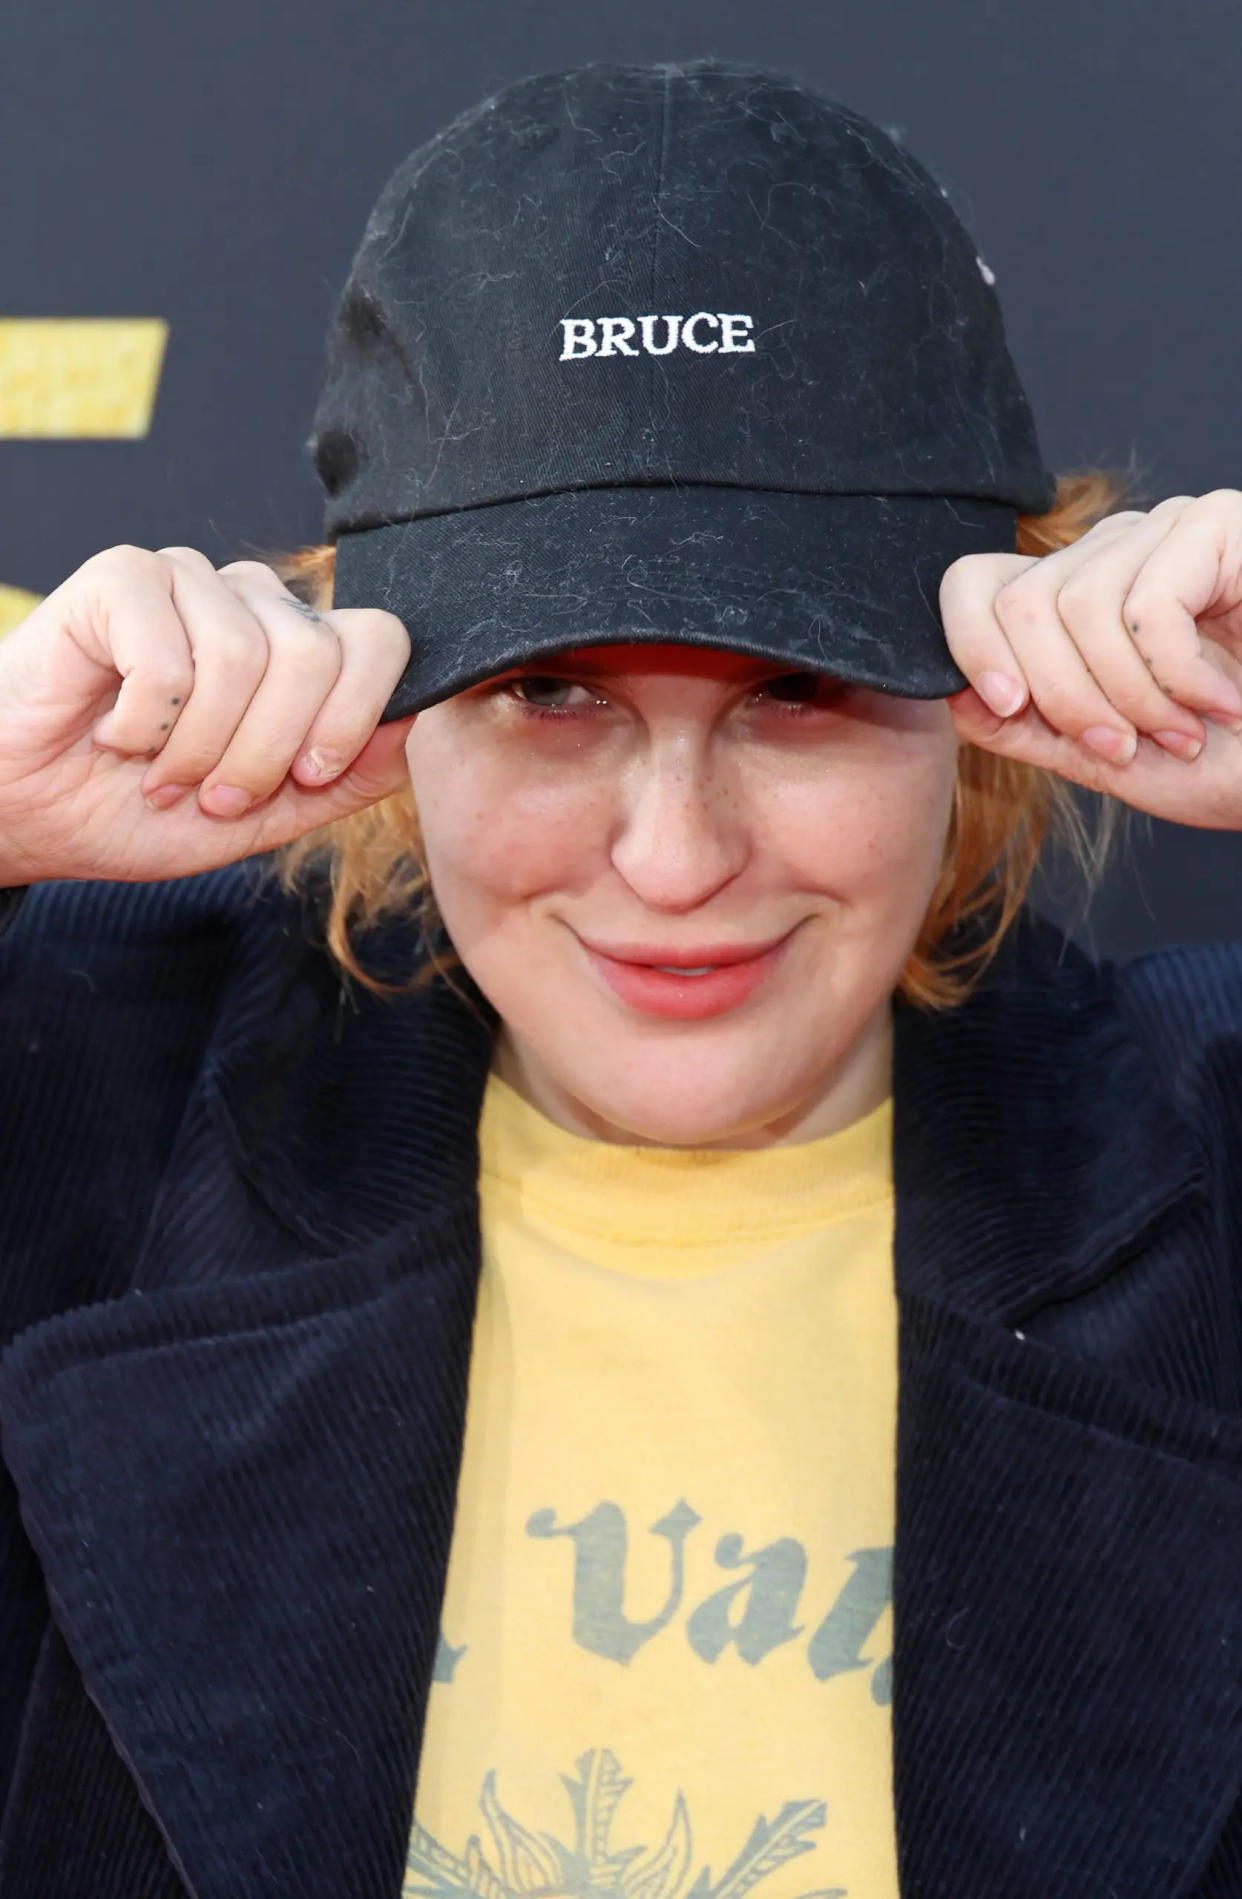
pixel 239 1232
pixel 74 1829
pixel 11 899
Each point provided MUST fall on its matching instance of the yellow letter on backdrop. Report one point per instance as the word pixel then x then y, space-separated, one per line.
pixel 75 379
pixel 79 377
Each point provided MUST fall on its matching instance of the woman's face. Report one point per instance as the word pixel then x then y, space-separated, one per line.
pixel 622 806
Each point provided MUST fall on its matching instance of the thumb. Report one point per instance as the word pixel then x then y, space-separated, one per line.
pixel 380 767
pixel 377 772
pixel 973 719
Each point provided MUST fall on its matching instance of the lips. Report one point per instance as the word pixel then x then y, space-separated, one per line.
pixel 699 956
pixel 642 978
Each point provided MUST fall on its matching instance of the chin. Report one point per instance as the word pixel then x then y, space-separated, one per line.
pixel 677 1108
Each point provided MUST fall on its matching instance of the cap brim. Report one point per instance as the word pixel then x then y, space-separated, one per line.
pixel 841 584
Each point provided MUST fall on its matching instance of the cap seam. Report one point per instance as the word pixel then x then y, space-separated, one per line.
pixel 678 482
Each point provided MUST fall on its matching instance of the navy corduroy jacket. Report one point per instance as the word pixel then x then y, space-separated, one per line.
pixel 239 1244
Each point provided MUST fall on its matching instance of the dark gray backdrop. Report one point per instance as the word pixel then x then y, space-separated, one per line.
pixel 214 165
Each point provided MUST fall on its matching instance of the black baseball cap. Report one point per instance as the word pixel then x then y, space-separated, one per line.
pixel 681 352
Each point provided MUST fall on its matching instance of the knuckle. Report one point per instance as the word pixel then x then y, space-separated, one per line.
pixel 1017 606
pixel 375 625
pixel 251 570
pixel 231 650
pixel 309 646
pixel 388 626
pixel 127 558
pixel 1177 506
pixel 188 556
pixel 1214 498
pixel 1086 590
pixel 961 575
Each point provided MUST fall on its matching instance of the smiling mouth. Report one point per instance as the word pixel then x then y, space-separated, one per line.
pixel 721 977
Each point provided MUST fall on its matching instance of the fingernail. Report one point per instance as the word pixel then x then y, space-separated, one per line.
pixel 225 801
pixel 165 796
pixel 1001 692
pixel 320 764
pixel 1226 697
pixel 1107 742
pixel 1179 743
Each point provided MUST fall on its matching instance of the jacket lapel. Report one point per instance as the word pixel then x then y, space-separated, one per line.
pixel 240 1477
pixel 243 1507
pixel 1067 1673
pixel 277 1455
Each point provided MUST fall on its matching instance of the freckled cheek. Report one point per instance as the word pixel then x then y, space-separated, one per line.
pixel 867 837
pixel 502 842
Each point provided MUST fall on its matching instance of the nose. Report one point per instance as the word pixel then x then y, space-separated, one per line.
pixel 680 832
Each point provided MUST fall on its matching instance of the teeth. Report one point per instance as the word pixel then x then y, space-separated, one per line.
pixel 677 969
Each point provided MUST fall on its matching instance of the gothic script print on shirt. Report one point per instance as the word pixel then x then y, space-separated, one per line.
pixel 755 1614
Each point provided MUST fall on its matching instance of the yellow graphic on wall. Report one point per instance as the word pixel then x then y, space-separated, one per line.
pixel 75 379
pixel 79 378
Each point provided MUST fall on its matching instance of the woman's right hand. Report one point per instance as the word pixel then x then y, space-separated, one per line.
pixel 160 717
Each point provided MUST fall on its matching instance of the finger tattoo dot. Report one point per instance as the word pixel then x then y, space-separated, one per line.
pixel 165 727
pixel 307 612
pixel 176 701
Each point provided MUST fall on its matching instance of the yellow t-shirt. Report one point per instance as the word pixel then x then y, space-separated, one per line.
pixel 665 1650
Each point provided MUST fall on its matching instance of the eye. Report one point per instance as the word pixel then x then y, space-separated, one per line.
pixel 544 692
pixel 800 689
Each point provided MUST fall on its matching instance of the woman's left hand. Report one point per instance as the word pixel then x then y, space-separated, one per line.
pixel 1124 656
